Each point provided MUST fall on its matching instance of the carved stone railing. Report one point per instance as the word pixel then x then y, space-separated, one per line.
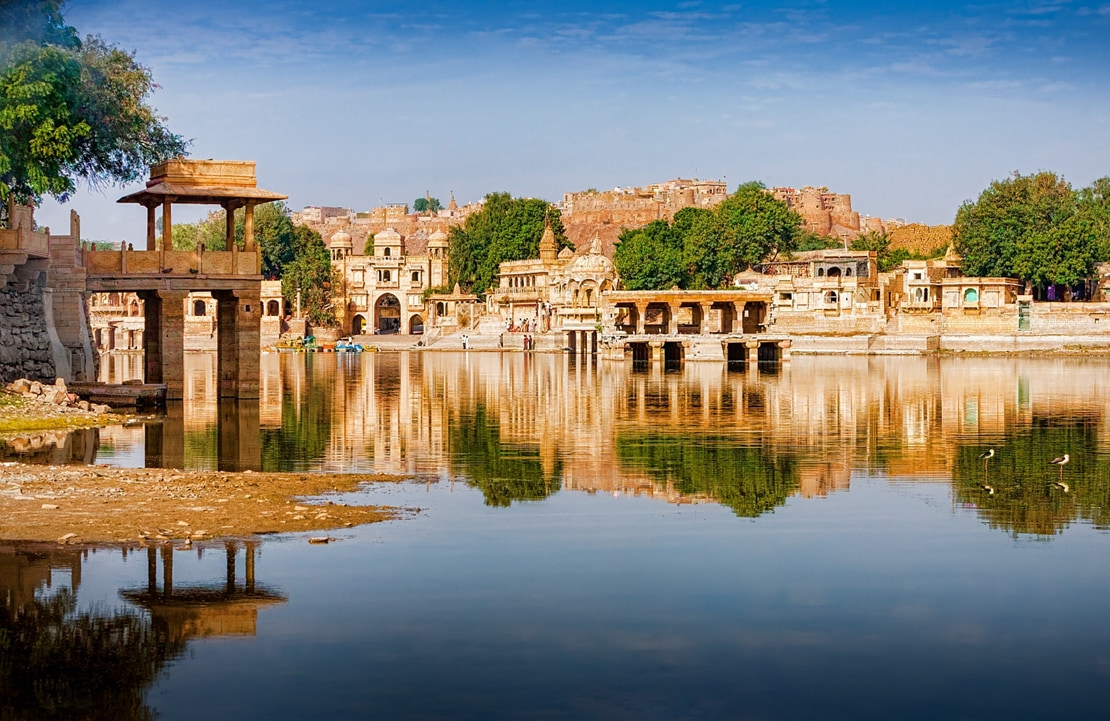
pixel 172 262
pixel 19 240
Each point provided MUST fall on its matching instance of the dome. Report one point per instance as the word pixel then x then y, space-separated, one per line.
pixel 591 263
pixel 341 239
pixel 437 238
pixel 387 236
pixel 566 253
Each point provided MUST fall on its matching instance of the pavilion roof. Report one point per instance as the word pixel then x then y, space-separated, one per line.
pixel 202 182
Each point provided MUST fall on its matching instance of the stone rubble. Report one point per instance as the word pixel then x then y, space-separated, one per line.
pixel 53 399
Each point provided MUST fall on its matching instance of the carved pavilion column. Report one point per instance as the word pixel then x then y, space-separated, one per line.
pixel 172 342
pixel 167 222
pixel 738 317
pixel 641 318
pixel 151 227
pixel 703 326
pixel 672 321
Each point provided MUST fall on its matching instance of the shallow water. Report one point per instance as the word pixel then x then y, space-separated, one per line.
pixel 813 541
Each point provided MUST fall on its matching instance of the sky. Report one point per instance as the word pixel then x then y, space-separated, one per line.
pixel 912 108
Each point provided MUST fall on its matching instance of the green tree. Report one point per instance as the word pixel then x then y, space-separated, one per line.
pixel 1065 253
pixel 309 271
pixel 71 110
pixel 650 258
pixel 427 205
pixel 1094 207
pixel 886 258
pixel 1016 212
pixel 505 229
pixel 756 226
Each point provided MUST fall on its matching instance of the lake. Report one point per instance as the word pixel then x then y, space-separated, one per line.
pixel 814 540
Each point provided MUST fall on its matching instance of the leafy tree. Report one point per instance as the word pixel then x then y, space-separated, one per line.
pixel 310 271
pixel 706 248
pixel 1094 206
pixel 1065 253
pixel 756 225
pixel 71 110
pixel 505 229
pixel 806 240
pixel 650 258
pixel 427 205
pixel 886 258
pixel 1013 216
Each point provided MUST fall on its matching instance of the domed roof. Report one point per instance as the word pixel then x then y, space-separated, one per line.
pixel 592 261
pixel 389 235
pixel 437 238
pixel 566 253
pixel 341 239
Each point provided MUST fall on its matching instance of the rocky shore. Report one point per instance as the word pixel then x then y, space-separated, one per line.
pixel 30 405
pixel 97 504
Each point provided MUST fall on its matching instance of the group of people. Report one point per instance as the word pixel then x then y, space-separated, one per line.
pixel 527 325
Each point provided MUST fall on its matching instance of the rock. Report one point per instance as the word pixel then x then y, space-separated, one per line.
pixel 58 397
pixel 300 508
pixel 36 388
pixel 319 539
pixel 83 405
pixel 60 384
pixel 68 537
pixel 21 385
pixel 49 507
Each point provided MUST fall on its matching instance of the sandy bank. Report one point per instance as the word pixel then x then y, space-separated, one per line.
pixel 97 504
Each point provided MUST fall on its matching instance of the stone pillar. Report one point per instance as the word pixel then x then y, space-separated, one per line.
pixel 151 230
pixel 171 342
pixel 641 318
pixel 239 346
pixel 164 443
pixel 784 350
pixel 248 228
pixel 167 223
pixel 152 337
pixel 229 227
pixel 672 321
pixel 753 351
pixel 657 356
pixel 703 326
pixel 738 317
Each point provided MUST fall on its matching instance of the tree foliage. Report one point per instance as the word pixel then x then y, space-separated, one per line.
pixel 505 229
pixel 71 110
pixel 427 205
pixel 1032 227
pixel 705 248
pixel 310 271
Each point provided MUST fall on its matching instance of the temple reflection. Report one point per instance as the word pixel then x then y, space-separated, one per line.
pixel 522 426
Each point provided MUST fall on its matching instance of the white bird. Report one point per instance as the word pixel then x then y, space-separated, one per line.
pixel 1060 460
pixel 987 456
pixel 988 489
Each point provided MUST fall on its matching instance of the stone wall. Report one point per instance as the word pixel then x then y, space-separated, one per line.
pixel 25 350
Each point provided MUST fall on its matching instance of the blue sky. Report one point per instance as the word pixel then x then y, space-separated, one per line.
pixel 911 110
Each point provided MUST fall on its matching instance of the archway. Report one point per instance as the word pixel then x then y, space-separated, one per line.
pixel 387 315
pixel 358 325
pixel 200 308
pixel 416 325
pixel 834 272
pixel 273 308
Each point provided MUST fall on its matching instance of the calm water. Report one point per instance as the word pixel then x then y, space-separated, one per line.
pixel 814 541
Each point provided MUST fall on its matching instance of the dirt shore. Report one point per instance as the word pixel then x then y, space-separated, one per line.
pixel 96 504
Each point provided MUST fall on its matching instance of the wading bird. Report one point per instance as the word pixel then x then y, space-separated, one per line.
pixel 987 456
pixel 1060 460
pixel 989 489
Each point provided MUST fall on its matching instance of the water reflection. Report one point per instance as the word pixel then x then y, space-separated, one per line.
pixel 522 427
pixel 61 662
pixel 61 659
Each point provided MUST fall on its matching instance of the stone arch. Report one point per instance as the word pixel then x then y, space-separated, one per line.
pixel 834 273
pixel 200 308
pixel 273 308
pixel 358 324
pixel 971 295
pixel 831 297
pixel 134 308
pixel 387 314
pixel 416 324
pixel 441 309
pixel 589 294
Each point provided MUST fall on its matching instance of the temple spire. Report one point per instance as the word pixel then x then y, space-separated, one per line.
pixel 547 242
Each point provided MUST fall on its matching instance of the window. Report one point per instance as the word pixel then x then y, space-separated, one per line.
pixel 830 298
pixel 820 272
pixel 386 252
pixel 416 276
pixel 971 296
pixel 199 308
